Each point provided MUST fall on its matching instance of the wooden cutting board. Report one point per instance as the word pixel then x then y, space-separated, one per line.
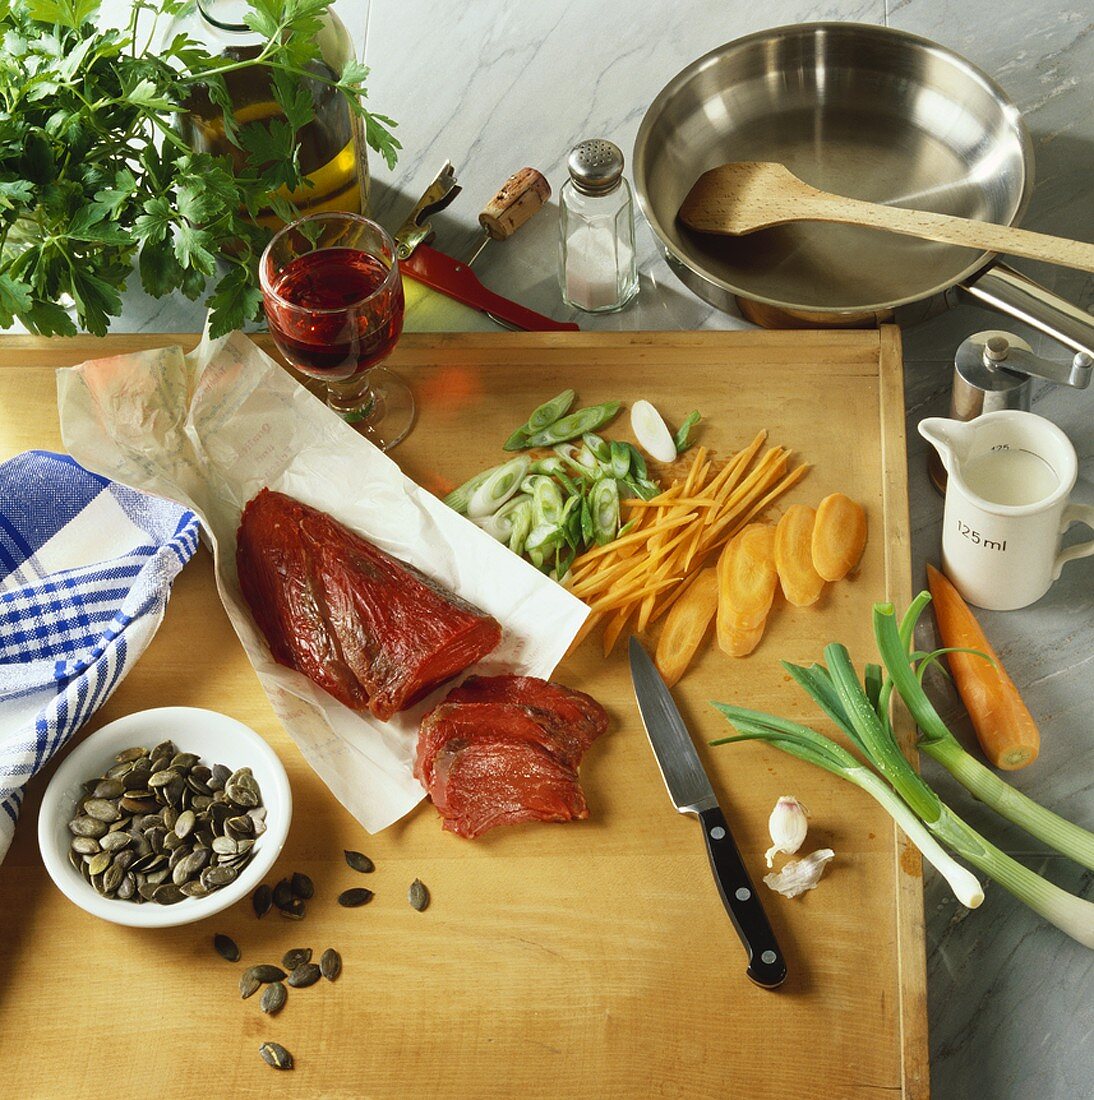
pixel 586 960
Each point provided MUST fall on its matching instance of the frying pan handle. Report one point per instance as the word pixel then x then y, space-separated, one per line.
pixel 1008 291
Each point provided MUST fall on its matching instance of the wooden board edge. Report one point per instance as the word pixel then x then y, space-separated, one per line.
pixel 910 932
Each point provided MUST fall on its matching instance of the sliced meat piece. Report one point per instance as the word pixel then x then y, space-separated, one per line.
pixel 473 722
pixel 397 634
pixel 579 714
pixel 481 784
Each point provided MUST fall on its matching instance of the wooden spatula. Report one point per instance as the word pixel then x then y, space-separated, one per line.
pixel 735 199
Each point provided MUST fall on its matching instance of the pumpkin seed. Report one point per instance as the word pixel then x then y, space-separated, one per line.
pixel 302 886
pixel 266 972
pixel 418 895
pixel 262 900
pixel 273 998
pixel 274 1054
pixel 154 828
pixel 351 899
pixel 294 957
pixel 330 964
pixel 248 984
pixel 295 910
pixel 226 947
pixel 360 862
pixel 305 974
pixel 282 894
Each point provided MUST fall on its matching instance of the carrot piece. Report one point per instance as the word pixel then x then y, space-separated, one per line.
pixel 686 626
pixel 839 536
pixel 801 583
pixel 1004 726
pixel 746 579
pixel 740 643
pixel 614 629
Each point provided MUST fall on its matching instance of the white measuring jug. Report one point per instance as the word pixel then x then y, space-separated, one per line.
pixel 1011 474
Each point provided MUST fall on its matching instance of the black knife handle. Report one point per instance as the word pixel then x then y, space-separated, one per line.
pixel 766 966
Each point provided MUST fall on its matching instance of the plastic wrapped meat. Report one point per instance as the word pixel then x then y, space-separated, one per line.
pixel 505 749
pixel 370 629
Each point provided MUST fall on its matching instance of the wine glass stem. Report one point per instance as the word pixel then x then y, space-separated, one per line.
pixel 353 400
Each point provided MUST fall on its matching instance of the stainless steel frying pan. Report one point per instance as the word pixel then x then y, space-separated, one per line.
pixel 858 110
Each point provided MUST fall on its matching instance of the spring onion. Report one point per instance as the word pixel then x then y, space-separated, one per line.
pixel 459 499
pixel 541 418
pixel 547 503
pixel 520 524
pixel 620 458
pixel 683 433
pixel 862 712
pixel 604 507
pixel 651 432
pixel 599 447
pixel 501 523
pixel 938 742
pixel 574 425
pixel 502 483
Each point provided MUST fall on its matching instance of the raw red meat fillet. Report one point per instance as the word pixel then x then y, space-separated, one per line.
pixel 368 628
pixel 505 749
pixel 486 783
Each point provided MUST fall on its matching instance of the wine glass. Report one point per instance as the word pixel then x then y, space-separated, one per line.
pixel 334 301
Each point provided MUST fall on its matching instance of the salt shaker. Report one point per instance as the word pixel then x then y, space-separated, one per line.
pixel 597 271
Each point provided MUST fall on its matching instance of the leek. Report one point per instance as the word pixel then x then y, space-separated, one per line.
pixel 938 742
pixel 862 712
pixel 502 483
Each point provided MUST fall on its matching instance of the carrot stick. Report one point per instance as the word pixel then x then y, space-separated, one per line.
pixel 1004 726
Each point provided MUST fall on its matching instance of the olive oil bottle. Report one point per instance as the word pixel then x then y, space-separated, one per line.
pixel 333 154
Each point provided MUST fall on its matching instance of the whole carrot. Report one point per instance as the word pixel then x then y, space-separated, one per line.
pixel 1004 726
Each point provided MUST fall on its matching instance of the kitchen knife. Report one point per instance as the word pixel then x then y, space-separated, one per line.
pixel 691 793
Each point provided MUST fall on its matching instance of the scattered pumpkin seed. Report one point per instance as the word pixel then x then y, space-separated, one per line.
pixel 360 862
pixel 294 910
pixel 294 957
pixel 418 895
pixel 330 964
pixel 274 1054
pixel 273 998
pixel 248 984
pixel 351 899
pixel 262 900
pixel 226 947
pixel 282 893
pixel 302 886
pixel 266 972
pixel 305 974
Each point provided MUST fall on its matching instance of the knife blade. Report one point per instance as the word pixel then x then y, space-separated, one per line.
pixel 691 793
pixel 452 277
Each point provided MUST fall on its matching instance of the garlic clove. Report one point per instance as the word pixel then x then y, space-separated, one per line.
pixel 787 826
pixel 800 875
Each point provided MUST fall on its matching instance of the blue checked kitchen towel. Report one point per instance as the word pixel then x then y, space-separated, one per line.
pixel 86 567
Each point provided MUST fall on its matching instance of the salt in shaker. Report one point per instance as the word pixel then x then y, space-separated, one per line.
pixel 597 271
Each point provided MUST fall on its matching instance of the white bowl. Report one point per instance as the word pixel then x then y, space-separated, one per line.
pixel 217 739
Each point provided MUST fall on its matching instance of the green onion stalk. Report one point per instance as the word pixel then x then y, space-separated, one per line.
pixel 861 710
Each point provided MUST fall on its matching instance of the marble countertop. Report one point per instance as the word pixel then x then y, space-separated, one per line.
pixel 494 85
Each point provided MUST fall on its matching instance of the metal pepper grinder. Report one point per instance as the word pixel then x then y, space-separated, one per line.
pixel 995 370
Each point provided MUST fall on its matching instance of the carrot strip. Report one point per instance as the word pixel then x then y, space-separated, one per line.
pixel 1004 726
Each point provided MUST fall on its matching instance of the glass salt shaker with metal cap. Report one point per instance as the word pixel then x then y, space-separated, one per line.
pixel 597 271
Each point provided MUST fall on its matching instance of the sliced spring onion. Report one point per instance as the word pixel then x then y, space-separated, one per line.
pixel 521 525
pixel 621 459
pixel 500 525
pixel 459 499
pixel 502 483
pixel 550 411
pixel 551 465
pixel 683 433
pixel 604 507
pixel 651 432
pixel 574 425
pixel 543 536
pixel 599 447
pixel 547 503
pixel 638 464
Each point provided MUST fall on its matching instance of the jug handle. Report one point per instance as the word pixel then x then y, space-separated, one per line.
pixel 1075 513
pixel 1008 291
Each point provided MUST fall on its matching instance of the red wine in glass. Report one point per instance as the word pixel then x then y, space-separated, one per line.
pixel 346 315
pixel 334 301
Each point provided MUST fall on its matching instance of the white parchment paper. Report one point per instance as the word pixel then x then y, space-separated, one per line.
pixel 212 428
